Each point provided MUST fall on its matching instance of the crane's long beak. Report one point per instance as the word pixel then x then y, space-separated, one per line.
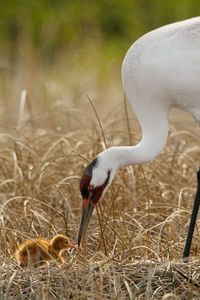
pixel 87 209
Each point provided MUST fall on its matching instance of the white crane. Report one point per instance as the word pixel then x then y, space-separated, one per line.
pixel 161 70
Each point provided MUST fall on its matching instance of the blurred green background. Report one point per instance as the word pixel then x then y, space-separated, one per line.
pixel 52 28
pixel 68 49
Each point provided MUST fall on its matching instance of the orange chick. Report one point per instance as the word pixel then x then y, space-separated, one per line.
pixel 39 251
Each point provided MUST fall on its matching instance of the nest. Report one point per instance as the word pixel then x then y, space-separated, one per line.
pixel 101 278
pixel 144 214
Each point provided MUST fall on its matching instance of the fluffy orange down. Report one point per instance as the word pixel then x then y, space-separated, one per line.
pixel 39 251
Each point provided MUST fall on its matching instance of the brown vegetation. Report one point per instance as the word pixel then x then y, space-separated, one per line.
pixel 136 236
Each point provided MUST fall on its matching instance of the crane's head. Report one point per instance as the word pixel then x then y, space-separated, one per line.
pixel 94 182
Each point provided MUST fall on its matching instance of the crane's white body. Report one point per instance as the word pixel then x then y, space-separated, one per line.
pixel 161 70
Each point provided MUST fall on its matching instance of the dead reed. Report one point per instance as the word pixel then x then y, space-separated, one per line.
pixel 136 236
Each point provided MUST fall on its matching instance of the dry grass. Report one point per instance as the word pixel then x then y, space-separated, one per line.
pixel 136 236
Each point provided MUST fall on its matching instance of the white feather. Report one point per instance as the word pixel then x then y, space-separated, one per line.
pixel 161 70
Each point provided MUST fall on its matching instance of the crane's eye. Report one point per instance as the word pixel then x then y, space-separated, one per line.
pixel 90 187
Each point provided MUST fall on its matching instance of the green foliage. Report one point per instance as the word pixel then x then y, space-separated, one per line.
pixel 51 27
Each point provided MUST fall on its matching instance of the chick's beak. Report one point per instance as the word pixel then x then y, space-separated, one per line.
pixel 87 209
pixel 72 245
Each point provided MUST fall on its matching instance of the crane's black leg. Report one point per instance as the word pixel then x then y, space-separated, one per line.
pixel 195 209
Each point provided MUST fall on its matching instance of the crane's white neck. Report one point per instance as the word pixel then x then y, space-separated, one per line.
pixel 154 138
pixel 117 157
pixel 150 146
